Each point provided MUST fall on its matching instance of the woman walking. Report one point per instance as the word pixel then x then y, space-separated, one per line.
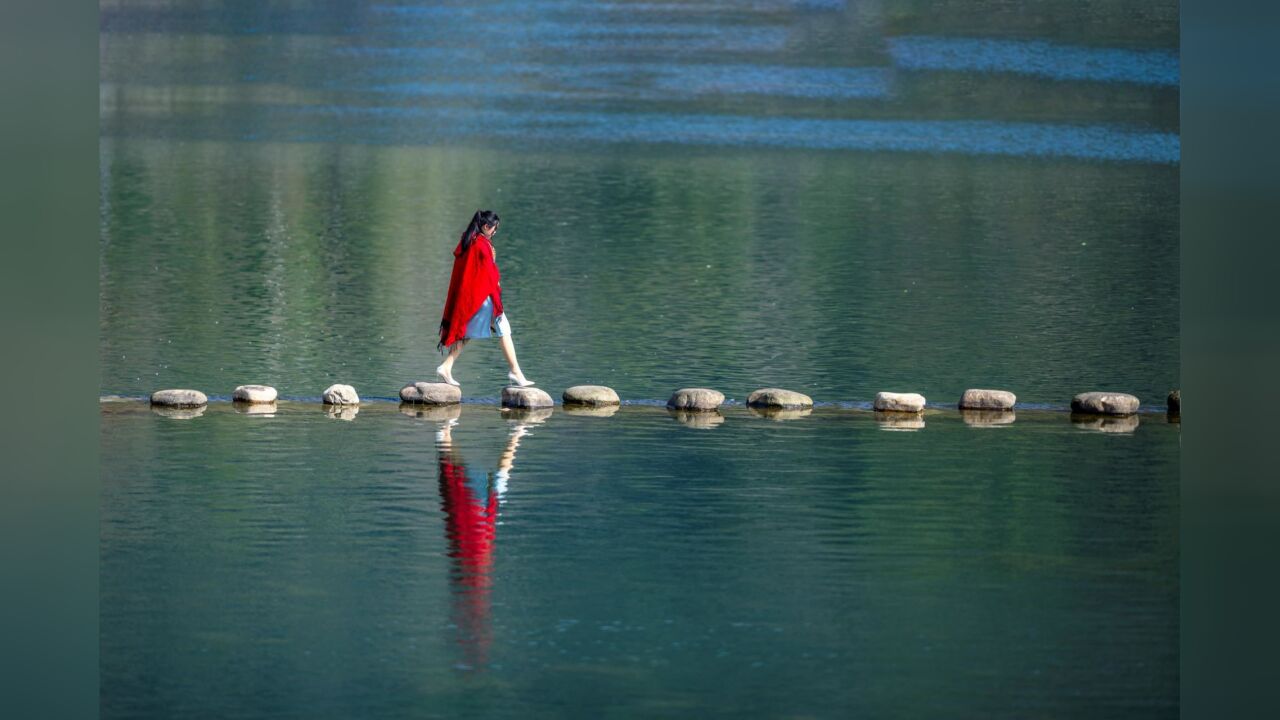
pixel 473 308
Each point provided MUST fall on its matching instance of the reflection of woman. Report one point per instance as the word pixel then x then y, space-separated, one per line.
pixel 470 503
pixel 473 307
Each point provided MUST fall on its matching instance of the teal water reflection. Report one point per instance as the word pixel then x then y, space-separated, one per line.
pixel 469 561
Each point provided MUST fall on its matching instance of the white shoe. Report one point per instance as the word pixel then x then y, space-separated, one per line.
pixel 447 377
pixel 517 381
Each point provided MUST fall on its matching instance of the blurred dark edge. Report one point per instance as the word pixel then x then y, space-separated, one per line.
pixel 1231 488
pixel 49 507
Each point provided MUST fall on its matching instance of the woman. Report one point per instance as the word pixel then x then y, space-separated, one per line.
pixel 473 308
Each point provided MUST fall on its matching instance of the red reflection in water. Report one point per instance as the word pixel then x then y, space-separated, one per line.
pixel 471 527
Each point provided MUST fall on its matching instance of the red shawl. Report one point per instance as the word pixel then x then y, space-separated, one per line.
pixel 475 277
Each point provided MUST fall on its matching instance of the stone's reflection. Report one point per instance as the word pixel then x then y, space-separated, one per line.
pixel 590 410
pixel 704 419
pixel 899 421
pixel 988 418
pixel 527 416
pixel 263 409
pixel 470 501
pixel 435 413
pixel 1105 423
pixel 1173 417
pixel 178 413
pixel 342 412
pixel 780 414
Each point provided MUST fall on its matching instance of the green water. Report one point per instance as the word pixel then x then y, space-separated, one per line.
pixel 836 198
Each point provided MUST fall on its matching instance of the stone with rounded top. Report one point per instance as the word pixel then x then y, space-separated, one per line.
pixel 431 393
pixel 179 398
pixel 254 394
pixel 898 402
pixel 525 397
pixel 338 394
pixel 779 398
pixel 700 399
pixel 974 399
pixel 595 395
pixel 1104 403
pixel 1175 401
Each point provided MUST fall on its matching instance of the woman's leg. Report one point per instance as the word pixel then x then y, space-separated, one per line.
pixel 446 368
pixel 509 350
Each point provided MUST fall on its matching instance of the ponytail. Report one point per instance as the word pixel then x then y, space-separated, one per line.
pixel 474 228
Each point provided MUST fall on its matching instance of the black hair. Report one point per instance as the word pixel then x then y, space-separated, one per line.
pixel 478 221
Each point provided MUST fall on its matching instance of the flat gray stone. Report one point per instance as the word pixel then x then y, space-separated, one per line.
pixel 254 394
pixel 596 395
pixel 525 397
pixel 179 398
pixel 779 398
pixel 338 394
pixel 898 402
pixel 431 393
pixel 1105 403
pixel 1175 401
pixel 699 399
pixel 974 399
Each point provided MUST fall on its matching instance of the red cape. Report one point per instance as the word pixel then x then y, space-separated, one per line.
pixel 475 277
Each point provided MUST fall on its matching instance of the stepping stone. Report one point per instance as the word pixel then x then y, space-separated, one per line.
pixel 431 393
pixel 340 395
pixel 525 397
pixel 1105 403
pixel 699 399
pixel 254 394
pixel 898 402
pixel 596 395
pixel 1175 401
pixel 987 400
pixel 779 398
pixel 179 398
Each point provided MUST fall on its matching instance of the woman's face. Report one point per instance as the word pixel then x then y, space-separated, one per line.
pixel 489 230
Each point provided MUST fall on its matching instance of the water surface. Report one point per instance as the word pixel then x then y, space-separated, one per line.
pixel 836 198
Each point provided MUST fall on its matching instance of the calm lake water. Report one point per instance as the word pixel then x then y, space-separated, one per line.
pixel 837 198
